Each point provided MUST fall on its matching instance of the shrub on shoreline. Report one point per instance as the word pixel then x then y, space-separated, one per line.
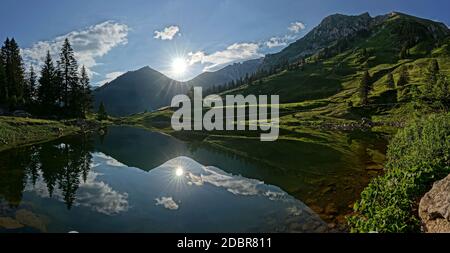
pixel 418 155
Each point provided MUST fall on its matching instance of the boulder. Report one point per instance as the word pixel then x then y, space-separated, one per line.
pixel 434 208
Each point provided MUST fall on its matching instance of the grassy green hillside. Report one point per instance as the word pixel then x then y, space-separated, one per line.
pixel 327 87
pixel 324 91
pixel 22 131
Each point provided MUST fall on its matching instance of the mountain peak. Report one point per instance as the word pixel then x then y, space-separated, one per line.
pixel 338 17
pixel 138 91
pixel 145 69
pixel 337 27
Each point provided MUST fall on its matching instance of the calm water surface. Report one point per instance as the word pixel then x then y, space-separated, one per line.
pixel 133 180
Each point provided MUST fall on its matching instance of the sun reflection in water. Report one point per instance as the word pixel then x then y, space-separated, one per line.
pixel 179 171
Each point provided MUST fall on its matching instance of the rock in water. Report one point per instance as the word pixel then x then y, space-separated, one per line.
pixel 9 223
pixel 434 209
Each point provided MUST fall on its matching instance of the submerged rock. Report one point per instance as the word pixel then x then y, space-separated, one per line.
pixel 434 208
pixel 9 223
pixel 30 219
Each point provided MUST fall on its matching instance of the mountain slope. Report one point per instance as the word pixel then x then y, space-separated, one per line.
pixel 230 73
pixel 335 68
pixel 331 29
pixel 138 91
pixel 147 89
pixel 337 32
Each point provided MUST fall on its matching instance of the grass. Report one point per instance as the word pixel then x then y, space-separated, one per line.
pixel 16 132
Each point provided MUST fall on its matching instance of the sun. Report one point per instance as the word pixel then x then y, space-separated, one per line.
pixel 179 171
pixel 179 66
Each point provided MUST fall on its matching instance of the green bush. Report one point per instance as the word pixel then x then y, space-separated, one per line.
pixel 417 156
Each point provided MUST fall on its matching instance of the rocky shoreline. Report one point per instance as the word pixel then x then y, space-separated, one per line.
pixel 363 125
pixel 85 126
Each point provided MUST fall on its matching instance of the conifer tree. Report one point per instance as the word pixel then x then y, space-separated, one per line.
pixel 86 92
pixel 364 88
pixel 431 77
pixel 404 52
pixel 415 94
pixel 364 53
pixel 70 86
pixel 14 72
pixel 3 85
pixel 102 114
pixel 4 59
pixel 390 83
pixel 48 94
pixel 441 93
pixel 190 92
pixel 30 87
pixel 404 77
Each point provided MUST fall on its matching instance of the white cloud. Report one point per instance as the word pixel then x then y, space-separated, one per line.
pixel 280 41
pixel 168 33
pixel 92 193
pixel 101 197
pixel 275 42
pixel 234 53
pixel 243 51
pixel 296 27
pixel 196 57
pixel 294 211
pixel 110 77
pixel 274 195
pixel 199 175
pixel 167 202
pixel 89 44
pixel 234 184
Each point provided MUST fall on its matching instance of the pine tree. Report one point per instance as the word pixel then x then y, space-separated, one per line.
pixel 390 83
pixel 190 92
pixel 86 92
pixel 404 77
pixel 14 72
pixel 431 77
pixel 246 79
pixel 364 53
pixel 102 114
pixel 30 87
pixel 48 93
pixel 364 88
pixel 415 93
pixel 70 86
pixel 3 85
pixel 416 97
pixel 404 52
pixel 441 93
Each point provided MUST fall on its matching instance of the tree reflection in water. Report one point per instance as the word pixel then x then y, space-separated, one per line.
pixel 63 165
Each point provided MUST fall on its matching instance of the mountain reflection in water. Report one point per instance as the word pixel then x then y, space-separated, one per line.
pixel 68 185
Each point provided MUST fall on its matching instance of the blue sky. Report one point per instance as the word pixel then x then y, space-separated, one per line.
pixel 112 37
